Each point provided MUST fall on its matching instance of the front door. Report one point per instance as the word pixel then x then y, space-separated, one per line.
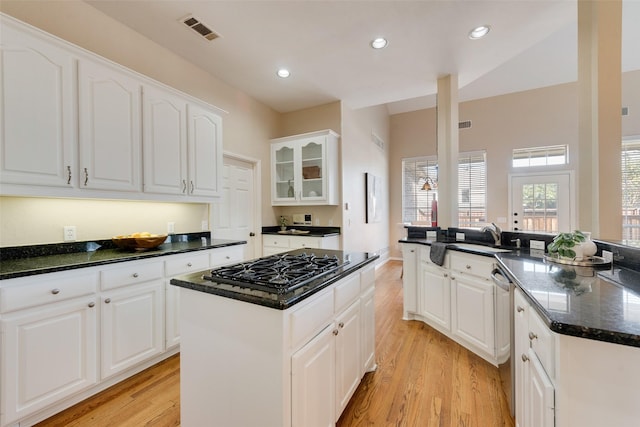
pixel 233 217
pixel 542 202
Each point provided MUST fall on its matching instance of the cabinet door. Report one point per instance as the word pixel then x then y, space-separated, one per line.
pixel 284 164
pixel 48 353
pixel 109 111
pixel 205 152
pixel 124 345
pixel 435 296
pixel 473 318
pixel 367 311
pixel 521 329
pixel 37 131
pixel 348 364
pixel 313 183
pixel 409 279
pixel 313 382
pixel 539 399
pixel 164 142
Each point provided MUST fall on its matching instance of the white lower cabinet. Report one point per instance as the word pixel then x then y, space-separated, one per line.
pixel 458 299
pixel 348 347
pixel 48 353
pixel 70 334
pixel 539 408
pixel 132 326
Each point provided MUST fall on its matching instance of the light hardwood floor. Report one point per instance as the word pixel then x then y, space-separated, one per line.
pixel 423 379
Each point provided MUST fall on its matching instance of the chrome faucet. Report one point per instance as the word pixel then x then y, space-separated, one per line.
pixel 495 231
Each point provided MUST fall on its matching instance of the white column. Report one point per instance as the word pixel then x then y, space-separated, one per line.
pixel 447 139
pixel 600 121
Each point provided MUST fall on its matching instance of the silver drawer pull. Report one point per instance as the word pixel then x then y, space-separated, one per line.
pixel 55 291
pixel 525 358
pixel 107 301
pixel 135 275
pixel 520 309
pixel 189 264
pixel 228 257
pixel 92 304
pixel 468 267
pixel 532 336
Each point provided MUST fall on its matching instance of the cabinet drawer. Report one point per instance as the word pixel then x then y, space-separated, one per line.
pixel 130 273
pixel 181 264
pixel 305 242
pixel 310 319
pixel 476 265
pixel 542 342
pixel 46 288
pixel 273 240
pixel 367 278
pixel 346 291
pixel 227 255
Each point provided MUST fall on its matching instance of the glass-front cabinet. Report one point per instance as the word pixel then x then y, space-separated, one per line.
pixel 304 169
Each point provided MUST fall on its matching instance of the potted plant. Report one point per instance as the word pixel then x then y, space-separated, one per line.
pixel 568 245
pixel 283 223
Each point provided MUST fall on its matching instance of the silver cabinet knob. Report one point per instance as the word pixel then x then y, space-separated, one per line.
pixel 135 275
pixel 520 309
pixel 412 250
pixel 55 291
pixel 92 304
pixel 341 324
pixel 468 267
pixel 446 275
pixel 189 264
pixel 532 336
pixel 525 358
pixel 107 301
pixel 228 257
pixel 335 332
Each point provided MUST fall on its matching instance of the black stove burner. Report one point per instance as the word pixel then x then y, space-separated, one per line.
pixel 277 273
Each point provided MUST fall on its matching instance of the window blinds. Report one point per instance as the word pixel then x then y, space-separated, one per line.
pixel 472 189
pixel 416 202
pixel 631 190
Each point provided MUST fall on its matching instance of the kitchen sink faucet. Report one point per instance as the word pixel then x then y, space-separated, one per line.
pixel 495 231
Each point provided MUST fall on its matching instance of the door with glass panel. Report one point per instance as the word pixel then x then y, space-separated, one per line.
pixel 542 202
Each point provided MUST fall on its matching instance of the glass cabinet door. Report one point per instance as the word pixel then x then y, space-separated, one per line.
pixel 285 179
pixel 312 155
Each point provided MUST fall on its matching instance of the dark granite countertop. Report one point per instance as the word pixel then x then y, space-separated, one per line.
pixel 23 261
pixel 584 302
pixel 479 248
pixel 312 231
pixel 356 260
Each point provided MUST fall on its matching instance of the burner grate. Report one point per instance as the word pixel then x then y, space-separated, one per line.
pixel 277 273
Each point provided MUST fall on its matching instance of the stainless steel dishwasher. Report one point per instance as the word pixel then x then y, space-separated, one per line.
pixel 507 373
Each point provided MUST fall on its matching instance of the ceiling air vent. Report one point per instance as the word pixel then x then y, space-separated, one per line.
pixel 196 25
pixel 464 125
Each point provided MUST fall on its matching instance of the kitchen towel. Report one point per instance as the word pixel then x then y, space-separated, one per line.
pixel 437 253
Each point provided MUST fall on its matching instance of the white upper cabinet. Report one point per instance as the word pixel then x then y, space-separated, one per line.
pixel 164 142
pixel 37 121
pixel 110 134
pixel 304 169
pixel 205 151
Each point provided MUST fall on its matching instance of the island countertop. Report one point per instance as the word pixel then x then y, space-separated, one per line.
pixel 353 261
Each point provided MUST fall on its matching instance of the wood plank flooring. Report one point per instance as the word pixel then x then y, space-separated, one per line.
pixel 423 379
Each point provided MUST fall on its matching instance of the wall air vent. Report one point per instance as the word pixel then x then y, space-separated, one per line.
pixel 625 111
pixel 464 125
pixel 196 25
pixel 377 140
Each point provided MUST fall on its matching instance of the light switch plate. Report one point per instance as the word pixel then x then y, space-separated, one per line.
pixel 607 256
pixel 459 236
pixel 537 244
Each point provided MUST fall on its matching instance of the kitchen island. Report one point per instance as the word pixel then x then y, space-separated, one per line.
pixel 294 358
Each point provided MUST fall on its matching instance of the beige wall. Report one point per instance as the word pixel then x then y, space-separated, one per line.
pixel 359 156
pixel 247 127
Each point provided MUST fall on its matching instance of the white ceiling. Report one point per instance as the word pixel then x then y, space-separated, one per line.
pixel 325 45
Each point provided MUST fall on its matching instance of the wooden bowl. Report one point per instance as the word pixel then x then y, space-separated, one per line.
pixel 139 243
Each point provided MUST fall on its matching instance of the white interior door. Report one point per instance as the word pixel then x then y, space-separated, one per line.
pixel 542 202
pixel 234 216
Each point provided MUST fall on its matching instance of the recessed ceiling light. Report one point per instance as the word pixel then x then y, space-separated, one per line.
pixel 379 43
pixel 479 32
pixel 284 73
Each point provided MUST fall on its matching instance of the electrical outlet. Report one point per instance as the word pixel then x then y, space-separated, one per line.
pixel 204 226
pixel 432 235
pixel 171 227
pixel 607 256
pixel 69 233
pixel 459 236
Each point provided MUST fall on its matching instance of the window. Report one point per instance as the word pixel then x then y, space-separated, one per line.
pixel 631 190
pixel 416 202
pixel 541 156
pixel 472 193
pixel 472 189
